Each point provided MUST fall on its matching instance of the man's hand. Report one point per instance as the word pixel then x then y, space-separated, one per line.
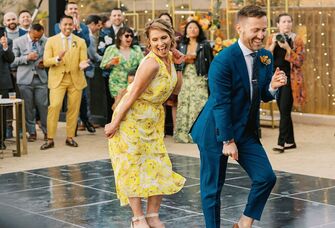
pixel 40 65
pixel 4 41
pixel 61 54
pixel 278 79
pixel 84 64
pixel 230 149
pixel 32 56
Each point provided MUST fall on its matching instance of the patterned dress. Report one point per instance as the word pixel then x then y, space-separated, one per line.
pixel 142 167
pixel 191 99
pixel 118 78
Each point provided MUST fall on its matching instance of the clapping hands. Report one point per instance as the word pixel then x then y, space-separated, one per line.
pixel 84 64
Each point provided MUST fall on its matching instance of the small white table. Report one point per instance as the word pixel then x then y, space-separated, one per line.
pixel 20 123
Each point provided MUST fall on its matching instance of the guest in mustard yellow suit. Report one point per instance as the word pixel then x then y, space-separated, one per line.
pixel 140 161
pixel 66 56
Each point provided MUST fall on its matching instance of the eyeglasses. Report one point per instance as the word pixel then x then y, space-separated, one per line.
pixel 128 35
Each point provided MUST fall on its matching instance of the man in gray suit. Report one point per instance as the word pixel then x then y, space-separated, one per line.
pixel 31 77
pixel 6 57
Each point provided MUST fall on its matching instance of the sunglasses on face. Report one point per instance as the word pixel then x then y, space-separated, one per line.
pixel 128 35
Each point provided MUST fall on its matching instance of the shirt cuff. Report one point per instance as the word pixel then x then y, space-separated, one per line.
pixel 273 91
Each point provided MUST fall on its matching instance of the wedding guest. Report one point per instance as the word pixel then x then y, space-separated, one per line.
pixel 140 161
pixel 288 54
pixel 194 91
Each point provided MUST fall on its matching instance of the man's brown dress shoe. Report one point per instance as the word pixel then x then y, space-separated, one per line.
pixel 71 142
pixel 32 137
pixel 47 145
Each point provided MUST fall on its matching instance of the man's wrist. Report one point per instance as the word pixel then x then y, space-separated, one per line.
pixel 227 142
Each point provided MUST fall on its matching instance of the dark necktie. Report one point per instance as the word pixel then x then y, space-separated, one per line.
pixel 255 92
pixel 34 47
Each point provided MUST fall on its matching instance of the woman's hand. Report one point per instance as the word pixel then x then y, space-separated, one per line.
pixel 111 129
pixel 178 57
pixel 113 62
pixel 285 46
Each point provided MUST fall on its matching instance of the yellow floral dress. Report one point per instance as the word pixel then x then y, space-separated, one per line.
pixel 142 167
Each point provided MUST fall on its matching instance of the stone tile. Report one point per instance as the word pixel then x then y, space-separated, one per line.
pixel 288 183
pixel 43 199
pixel 285 212
pixel 326 196
pixel 11 182
pixel 77 172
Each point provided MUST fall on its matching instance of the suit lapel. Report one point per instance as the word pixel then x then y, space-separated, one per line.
pixel 241 66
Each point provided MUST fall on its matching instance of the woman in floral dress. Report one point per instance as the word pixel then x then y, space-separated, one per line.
pixel 194 91
pixel 140 161
pixel 122 58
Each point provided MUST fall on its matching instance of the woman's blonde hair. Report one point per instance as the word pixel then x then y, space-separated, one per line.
pixel 162 25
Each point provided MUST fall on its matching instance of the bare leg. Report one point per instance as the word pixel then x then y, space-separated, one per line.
pixel 138 221
pixel 174 116
pixel 154 203
pixel 245 222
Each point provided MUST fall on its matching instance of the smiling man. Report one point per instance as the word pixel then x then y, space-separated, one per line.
pixel 11 23
pixel 66 56
pixel 240 77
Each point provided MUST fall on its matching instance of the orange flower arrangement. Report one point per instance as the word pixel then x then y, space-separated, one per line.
pixel 265 59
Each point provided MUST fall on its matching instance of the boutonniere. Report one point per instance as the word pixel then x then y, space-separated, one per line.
pixel 74 44
pixel 265 59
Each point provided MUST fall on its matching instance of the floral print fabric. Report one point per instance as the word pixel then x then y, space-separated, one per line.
pixel 118 78
pixel 191 100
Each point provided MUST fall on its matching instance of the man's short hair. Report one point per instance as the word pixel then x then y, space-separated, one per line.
pixel 37 27
pixel 64 17
pixel 92 19
pixel 117 8
pixel 70 3
pixel 250 11
pixel 24 11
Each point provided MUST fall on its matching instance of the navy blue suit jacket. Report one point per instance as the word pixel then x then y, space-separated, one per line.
pixel 226 112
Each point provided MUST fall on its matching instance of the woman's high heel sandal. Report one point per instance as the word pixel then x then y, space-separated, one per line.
pixel 151 215
pixel 135 219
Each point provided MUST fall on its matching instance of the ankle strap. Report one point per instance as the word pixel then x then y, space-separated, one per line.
pixel 150 215
pixel 137 218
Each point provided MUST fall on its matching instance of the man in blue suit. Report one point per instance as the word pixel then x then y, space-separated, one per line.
pixel 240 77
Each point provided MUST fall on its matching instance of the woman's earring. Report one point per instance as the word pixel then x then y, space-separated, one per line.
pixel 187 36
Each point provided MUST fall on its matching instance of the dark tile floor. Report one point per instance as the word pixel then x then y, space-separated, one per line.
pixel 83 195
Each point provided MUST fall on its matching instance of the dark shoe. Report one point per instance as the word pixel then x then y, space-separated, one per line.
pixel 71 142
pixel 45 137
pixel 47 145
pixel 279 149
pixel 81 127
pixel 292 146
pixel 235 225
pixel 32 137
pixel 2 146
pixel 89 127
pixel 96 126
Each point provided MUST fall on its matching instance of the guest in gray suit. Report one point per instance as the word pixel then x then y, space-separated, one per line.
pixel 31 77
pixel 6 57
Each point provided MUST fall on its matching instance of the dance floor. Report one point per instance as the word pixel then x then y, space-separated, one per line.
pixel 83 195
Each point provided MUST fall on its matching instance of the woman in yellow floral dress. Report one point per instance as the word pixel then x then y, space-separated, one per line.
pixel 140 161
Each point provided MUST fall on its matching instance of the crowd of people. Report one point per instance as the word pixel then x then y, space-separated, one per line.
pixel 216 100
